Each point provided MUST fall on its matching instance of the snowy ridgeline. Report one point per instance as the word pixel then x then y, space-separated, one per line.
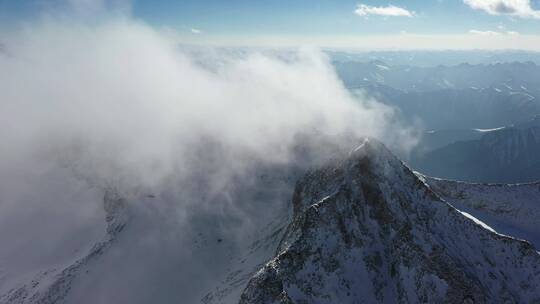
pixel 363 228
pixel 512 210
pixel 368 230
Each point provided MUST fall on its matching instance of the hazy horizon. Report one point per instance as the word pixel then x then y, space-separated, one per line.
pixel 367 25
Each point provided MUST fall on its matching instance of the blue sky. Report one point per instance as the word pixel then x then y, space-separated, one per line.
pixel 316 17
pixel 307 21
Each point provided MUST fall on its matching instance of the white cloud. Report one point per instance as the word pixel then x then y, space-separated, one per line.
pixel 492 33
pixel 484 33
pixel 517 8
pixel 388 11
pixel 196 31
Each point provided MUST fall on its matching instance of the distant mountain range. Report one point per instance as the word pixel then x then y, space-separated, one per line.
pixel 458 108
pixel 516 76
pixel 509 154
pixel 450 97
pixel 427 58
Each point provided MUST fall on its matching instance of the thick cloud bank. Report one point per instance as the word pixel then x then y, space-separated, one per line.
pixel 116 104
pixel 126 97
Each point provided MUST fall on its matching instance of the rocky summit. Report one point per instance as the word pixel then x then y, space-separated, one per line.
pixel 366 229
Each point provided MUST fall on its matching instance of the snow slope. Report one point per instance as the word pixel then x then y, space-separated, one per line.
pixel 53 285
pixel 509 209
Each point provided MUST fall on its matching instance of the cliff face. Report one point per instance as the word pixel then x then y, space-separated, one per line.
pixel 367 230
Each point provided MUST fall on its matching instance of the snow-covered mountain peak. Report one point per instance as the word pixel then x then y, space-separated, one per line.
pixel 372 149
pixel 370 161
pixel 367 230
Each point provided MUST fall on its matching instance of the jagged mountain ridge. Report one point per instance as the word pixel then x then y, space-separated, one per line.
pixel 368 230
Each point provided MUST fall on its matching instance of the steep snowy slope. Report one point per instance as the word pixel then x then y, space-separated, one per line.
pixel 52 285
pixel 243 267
pixel 367 230
pixel 509 209
pixel 146 255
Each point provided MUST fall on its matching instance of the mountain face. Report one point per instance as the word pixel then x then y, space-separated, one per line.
pixel 435 139
pixel 367 230
pixel 508 155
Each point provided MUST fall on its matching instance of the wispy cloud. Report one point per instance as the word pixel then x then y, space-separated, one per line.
pixel 493 33
pixel 388 11
pixel 484 33
pixel 517 8
pixel 196 31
